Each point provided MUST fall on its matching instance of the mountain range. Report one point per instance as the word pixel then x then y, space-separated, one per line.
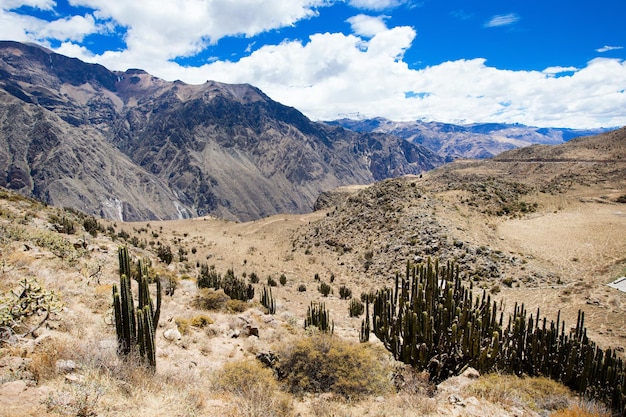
pixel 130 146
pixel 476 141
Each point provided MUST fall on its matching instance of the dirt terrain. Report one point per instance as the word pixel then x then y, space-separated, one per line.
pixel 551 238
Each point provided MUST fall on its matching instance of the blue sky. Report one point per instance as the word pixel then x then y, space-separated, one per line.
pixel 543 63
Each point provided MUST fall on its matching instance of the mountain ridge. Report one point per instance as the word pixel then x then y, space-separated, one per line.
pixel 169 149
pixel 475 141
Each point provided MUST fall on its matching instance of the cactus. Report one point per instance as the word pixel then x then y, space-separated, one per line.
pixel 364 335
pixel 135 328
pixel 318 316
pixel 430 320
pixel 268 301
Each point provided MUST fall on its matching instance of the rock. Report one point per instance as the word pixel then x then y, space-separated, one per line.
pixel 172 335
pixel 251 330
pixel 65 366
pixel 471 373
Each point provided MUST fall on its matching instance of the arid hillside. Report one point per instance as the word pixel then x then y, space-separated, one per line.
pixel 541 226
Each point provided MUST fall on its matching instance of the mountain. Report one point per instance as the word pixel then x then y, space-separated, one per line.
pixel 128 145
pixel 480 140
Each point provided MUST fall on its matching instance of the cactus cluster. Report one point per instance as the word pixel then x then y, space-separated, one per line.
pixel 268 301
pixel 318 316
pixel 432 321
pixel 234 287
pixel 135 327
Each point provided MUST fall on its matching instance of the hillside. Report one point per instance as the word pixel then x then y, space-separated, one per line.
pixel 542 226
pixel 130 146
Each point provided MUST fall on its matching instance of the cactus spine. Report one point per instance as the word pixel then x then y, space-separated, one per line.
pixel 135 327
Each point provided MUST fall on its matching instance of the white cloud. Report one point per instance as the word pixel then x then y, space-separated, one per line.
pixel 502 20
pixel 367 26
pixel 558 70
pixel 38 4
pixel 376 4
pixel 607 48
pixel 73 28
pixel 333 74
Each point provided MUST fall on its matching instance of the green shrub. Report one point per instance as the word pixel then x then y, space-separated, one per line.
pixel 325 289
pixel 164 253
pixel 323 363
pixel 356 308
pixel 210 299
pixel 345 292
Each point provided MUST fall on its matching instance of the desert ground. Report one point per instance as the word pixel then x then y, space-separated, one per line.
pixel 577 238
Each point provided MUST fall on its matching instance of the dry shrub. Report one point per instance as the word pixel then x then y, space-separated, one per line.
pixel 236 306
pixel 183 325
pixel 582 410
pixel 538 393
pixel 323 363
pixel 210 299
pixel 201 321
pixel 47 352
pixel 255 390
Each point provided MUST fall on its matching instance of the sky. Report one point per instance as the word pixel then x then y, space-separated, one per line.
pixel 547 63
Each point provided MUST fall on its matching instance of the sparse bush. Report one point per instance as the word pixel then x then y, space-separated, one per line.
pixel 164 253
pixel 254 278
pixel 356 308
pixel 345 292
pixel 324 363
pixel 236 306
pixel 301 288
pixel 282 279
pixel 255 389
pixel 91 226
pixel 271 281
pixel 211 299
pixel 201 320
pixel 183 325
pixel 325 289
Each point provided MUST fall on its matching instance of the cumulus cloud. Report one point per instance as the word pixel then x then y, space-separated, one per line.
pixel 607 48
pixel 73 28
pixel 367 26
pixel 329 75
pixel 502 20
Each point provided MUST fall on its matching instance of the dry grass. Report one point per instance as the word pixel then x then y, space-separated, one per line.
pixel 536 393
pixel 582 410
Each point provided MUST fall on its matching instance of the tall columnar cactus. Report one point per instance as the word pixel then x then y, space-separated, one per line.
pixel 432 321
pixel 135 327
pixel 364 335
pixel 319 317
pixel 268 301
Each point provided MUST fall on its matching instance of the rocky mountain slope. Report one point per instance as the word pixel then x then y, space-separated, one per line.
pixel 479 140
pixel 127 145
